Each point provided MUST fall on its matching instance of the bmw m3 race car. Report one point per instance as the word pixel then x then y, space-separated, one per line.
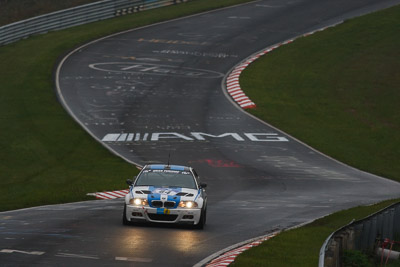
pixel 166 194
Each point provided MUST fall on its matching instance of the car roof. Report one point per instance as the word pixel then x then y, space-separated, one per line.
pixel 166 167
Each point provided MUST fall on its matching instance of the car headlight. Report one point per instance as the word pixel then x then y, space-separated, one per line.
pixel 187 204
pixel 138 202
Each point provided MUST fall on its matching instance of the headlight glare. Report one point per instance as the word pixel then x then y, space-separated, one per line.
pixel 188 204
pixel 138 202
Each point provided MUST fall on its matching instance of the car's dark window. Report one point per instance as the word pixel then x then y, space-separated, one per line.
pixel 166 178
pixel 196 176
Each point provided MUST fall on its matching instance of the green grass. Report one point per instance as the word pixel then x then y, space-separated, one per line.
pixel 45 157
pixel 337 91
pixel 300 247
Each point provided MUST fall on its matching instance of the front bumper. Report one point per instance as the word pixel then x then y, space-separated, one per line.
pixel 163 215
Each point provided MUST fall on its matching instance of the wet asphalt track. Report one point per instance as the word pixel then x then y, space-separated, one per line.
pixel 156 90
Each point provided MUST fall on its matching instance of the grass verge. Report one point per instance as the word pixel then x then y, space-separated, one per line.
pixel 45 157
pixel 337 91
pixel 300 247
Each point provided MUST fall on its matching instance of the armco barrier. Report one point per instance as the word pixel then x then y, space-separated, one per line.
pixel 361 235
pixel 76 16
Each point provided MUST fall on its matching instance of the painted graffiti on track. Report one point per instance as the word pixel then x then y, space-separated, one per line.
pixel 154 69
pixel 193 136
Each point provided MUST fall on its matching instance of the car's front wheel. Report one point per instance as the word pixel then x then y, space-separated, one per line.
pixel 202 221
pixel 124 219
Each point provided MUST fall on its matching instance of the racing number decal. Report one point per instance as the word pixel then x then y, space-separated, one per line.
pixel 163 211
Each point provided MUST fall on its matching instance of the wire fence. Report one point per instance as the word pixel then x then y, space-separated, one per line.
pixel 76 16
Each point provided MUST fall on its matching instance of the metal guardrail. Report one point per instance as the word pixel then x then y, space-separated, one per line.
pixel 361 235
pixel 76 16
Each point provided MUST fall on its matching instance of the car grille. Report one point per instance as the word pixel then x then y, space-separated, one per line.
pixel 162 217
pixel 160 204
pixel 169 204
pixel 156 204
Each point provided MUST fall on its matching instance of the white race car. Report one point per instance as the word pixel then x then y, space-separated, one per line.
pixel 166 194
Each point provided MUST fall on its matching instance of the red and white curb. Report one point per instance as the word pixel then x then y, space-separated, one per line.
pixel 228 255
pixel 110 194
pixel 232 81
pixel 234 90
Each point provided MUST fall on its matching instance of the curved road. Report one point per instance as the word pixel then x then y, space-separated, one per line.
pixel 157 90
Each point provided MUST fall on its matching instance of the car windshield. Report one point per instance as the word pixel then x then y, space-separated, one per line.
pixel 166 178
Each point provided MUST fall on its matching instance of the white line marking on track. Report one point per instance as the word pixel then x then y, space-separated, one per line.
pixel 133 259
pixel 235 17
pixel 9 251
pixel 268 6
pixel 69 255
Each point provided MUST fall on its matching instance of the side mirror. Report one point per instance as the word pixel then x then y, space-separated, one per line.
pixel 203 185
pixel 129 182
